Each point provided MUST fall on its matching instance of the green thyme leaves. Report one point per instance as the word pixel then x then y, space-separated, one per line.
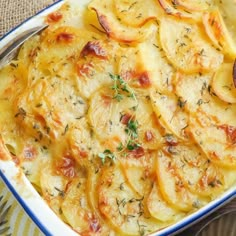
pixel 107 154
pixel 121 88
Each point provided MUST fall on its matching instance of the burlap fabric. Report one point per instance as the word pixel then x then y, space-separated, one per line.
pixel 13 12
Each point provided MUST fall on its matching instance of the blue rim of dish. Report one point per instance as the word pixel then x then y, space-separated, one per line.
pixel 199 216
pixel 43 228
pixel 174 230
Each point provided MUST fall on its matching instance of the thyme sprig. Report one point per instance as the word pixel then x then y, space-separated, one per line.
pixel 121 88
pixel 106 154
pixel 131 130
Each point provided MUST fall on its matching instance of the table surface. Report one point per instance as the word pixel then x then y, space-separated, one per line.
pixel 12 12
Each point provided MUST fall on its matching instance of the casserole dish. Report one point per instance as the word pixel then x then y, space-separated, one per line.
pixel 32 202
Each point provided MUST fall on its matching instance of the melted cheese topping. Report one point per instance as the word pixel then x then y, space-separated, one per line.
pixel 122 115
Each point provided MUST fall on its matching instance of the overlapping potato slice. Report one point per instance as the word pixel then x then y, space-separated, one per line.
pixel 141 176
pixel 218 32
pixel 227 10
pixel 111 129
pixel 33 159
pixel 229 177
pixel 154 61
pixel 80 142
pixel 76 209
pixel 149 131
pixel 136 13
pixel 114 28
pixel 53 187
pixel 134 71
pixel 67 14
pixel 29 50
pixel 196 5
pixel 121 206
pixel 212 120
pixel 179 9
pixel 78 213
pixel 222 83
pixel 129 68
pixel 186 47
pixel 199 95
pixel 95 63
pixel 171 112
pixel 160 209
pixel 8 128
pixel 172 186
pixel 108 127
pixel 38 108
pixel 139 172
pixel 60 59
pixel 199 174
pixel 216 140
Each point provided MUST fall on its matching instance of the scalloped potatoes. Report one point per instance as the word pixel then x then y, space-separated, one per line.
pixel 122 114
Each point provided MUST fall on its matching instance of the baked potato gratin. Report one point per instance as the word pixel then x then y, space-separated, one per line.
pixel 122 114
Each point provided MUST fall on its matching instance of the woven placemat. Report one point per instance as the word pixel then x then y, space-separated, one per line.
pixel 13 12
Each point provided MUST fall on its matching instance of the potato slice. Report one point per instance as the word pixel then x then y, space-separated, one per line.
pixel 53 187
pixel 173 9
pixel 161 72
pixel 218 32
pixel 227 10
pixel 114 28
pixel 76 209
pixel 172 186
pixel 108 128
pixel 121 206
pixel 64 42
pixel 198 92
pixel 216 140
pixel 186 47
pixel 196 5
pixel 68 14
pixel 38 108
pixel 29 50
pixel 134 71
pixel 229 176
pixel 93 66
pixel 171 112
pixel 111 128
pixel 212 121
pixel 140 173
pixel 79 142
pixel 223 85
pixel 136 13
pixel 149 132
pixel 160 209
pixel 199 174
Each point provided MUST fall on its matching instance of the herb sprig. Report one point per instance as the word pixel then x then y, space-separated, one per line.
pixel 131 130
pixel 121 88
pixel 106 154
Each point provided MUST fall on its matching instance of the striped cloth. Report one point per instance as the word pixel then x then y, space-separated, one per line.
pixel 14 221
